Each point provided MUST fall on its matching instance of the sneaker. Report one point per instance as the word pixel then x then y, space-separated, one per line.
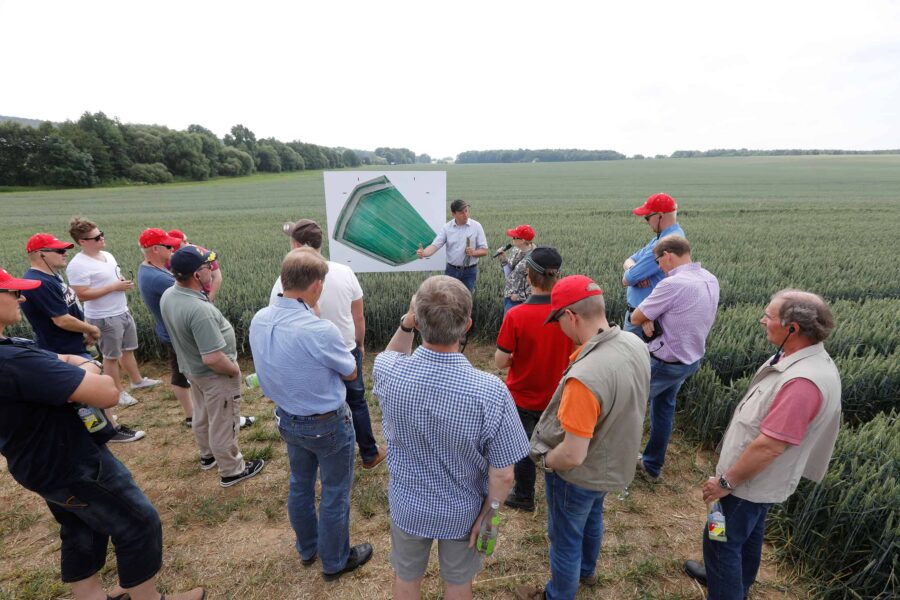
pixel 145 383
pixel 359 555
pixel 207 462
pixel 247 421
pixel 125 434
pixel 379 458
pixel 253 468
pixel 126 399
pixel 523 504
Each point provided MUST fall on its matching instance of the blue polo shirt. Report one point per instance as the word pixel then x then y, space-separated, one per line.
pixel 645 267
pixel 299 358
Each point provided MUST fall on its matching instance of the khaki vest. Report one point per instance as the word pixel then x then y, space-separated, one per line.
pixel 615 367
pixel 810 459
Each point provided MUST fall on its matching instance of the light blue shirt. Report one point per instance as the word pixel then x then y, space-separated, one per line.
pixel 645 267
pixel 454 236
pixel 299 358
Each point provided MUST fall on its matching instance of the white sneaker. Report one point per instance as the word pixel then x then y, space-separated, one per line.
pixel 247 421
pixel 126 399
pixel 145 383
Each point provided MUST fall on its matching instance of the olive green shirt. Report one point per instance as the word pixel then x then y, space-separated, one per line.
pixel 196 327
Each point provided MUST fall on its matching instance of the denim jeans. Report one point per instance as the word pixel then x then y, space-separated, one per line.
pixel 635 329
pixel 665 381
pixel 508 304
pixel 467 276
pixel 525 470
pixel 731 566
pixel 327 446
pixel 575 525
pixel 362 422
pixel 105 504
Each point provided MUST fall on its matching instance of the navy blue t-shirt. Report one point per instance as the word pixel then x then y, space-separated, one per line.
pixel 152 282
pixel 53 298
pixel 45 443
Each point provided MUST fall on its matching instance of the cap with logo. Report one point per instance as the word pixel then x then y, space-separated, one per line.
pixel 657 203
pixel 157 237
pixel 568 291
pixel 45 241
pixel 187 260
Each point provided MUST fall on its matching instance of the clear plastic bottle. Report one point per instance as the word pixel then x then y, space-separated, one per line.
pixel 252 381
pixel 490 525
pixel 715 522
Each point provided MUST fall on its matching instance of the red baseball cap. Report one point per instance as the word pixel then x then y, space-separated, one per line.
pixel 568 291
pixel 45 241
pixel 657 203
pixel 8 282
pixel 157 237
pixel 177 233
pixel 522 231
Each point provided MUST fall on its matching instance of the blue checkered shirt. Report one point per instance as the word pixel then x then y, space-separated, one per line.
pixel 445 423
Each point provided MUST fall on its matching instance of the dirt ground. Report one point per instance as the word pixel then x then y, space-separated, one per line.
pixel 238 543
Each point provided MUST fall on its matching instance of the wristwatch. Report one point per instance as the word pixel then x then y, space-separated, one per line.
pixel 403 327
pixel 543 464
pixel 724 483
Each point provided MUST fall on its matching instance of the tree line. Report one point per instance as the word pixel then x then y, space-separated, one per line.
pixel 523 155
pixel 783 152
pixel 96 149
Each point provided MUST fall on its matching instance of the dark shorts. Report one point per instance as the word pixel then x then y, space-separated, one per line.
pixel 105 504
pixel 178 379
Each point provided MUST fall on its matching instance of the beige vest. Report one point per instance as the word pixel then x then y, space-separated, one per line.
pixel 615 367
pixel 810 459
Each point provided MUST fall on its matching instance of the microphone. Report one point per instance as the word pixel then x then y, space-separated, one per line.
pixel 501 250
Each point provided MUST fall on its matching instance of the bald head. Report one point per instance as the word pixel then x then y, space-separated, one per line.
pixel 810 311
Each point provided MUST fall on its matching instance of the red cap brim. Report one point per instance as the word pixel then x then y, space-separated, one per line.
pixel 19 284
pixel 642 211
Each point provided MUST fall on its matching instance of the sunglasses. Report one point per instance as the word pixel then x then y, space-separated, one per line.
pixel 647 218
pixel 55 250
pixel 96 238
pixel 16 293
pixel 167 247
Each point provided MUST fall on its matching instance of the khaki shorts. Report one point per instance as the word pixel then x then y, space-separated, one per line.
pixel 117 334
pixel 410 553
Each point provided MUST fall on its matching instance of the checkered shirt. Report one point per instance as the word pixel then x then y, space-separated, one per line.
pixel 445 423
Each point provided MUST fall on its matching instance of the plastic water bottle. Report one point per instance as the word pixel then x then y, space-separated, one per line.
pixel 490 525
pixel 92 417
pixel 715 522
pixel 252 381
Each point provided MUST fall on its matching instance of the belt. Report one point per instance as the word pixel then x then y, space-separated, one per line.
pixel 668 362
pixel 320 417
pixel 462 268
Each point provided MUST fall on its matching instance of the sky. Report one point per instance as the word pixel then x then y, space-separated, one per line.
pixel 646 77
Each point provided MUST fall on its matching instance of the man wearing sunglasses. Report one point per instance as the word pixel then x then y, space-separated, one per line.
pixel 97 280
pixel 641 271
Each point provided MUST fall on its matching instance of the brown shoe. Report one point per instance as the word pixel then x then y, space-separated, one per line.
pixel 529 592
pixel 589 581
pixel 379 458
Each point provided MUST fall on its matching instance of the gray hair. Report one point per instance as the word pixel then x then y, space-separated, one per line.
pixel 443 306
pixel 809 311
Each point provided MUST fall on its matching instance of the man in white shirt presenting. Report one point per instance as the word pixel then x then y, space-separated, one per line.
pixel 100 285
pixel 341 303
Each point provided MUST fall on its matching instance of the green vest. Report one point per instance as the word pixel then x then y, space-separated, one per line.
pixel 615 366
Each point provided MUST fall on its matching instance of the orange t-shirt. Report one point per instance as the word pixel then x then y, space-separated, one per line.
pixel 579 409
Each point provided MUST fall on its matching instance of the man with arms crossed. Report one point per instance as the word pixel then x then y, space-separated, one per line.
pixel 97 280
pixel 207 354
pixel 341 303
pixel 47 403
pixel 784 428
pixel 586 439
pixel 641 271
pixel 300 361
pixel 684 306
pixel 465 241
pixel 453 438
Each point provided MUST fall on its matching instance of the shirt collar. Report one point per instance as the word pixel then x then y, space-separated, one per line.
pixel 669 230
pixel 191 292
pixel 291 304
pixel 444 358
pixel 695 266
pixel 538 299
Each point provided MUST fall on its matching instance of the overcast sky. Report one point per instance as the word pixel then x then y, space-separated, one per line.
pixel 645 77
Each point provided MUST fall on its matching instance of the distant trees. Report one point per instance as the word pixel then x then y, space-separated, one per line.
pixel 396 156
pixel 521 155
pixel 718 152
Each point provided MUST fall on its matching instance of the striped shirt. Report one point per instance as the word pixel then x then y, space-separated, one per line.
pixel 445 423
pixel 684 304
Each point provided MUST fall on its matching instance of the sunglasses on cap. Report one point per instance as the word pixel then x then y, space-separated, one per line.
pixel 96 238
pixel 16 293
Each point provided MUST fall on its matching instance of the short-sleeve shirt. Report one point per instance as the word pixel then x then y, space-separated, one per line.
pixel 445 423
pixel 95 273
pixel 152 282
pixel 794 407
pixel 196 327
pixel 455 236
pixel 340 290
pixel 45 443
pixel 540 353
pixel 299 358
pixel 53 298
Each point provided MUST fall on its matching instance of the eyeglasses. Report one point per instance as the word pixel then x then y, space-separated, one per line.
pixel 517 238
pixel 16 293
pixel 647 217
pixel 659 258
pixel 96 238
pixel 54 250
pixel 167 247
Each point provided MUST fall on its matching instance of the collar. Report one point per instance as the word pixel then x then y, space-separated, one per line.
pixel 591 344
pixel 291 304
pixel 538 299
pixel 443 358
pixel 668 230
pixel 695 266
pixel 786 361
pixel 190 292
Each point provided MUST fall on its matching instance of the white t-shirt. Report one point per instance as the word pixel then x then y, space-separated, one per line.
pixel 340 289
pixel 94 272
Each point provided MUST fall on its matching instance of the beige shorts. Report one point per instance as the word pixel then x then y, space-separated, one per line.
pixel 117 334
pixel 410 553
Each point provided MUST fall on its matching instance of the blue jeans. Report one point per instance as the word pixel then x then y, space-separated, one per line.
pixel 325 445
pixel 635 329
pixel 362 422
pixel 731 566
pixel 665 381
pixel 103 504
pixel 508 304
pixel 467 276
pixel 575 525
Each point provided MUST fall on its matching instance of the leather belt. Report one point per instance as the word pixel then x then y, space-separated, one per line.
pixel 668 362
pixel 462 268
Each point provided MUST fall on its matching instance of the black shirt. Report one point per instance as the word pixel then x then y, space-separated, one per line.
pixel 53 298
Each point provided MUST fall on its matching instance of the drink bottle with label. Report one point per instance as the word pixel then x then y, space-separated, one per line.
pixel 252 381
pixel 92 417
pixel 715 522
pixel 490 525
